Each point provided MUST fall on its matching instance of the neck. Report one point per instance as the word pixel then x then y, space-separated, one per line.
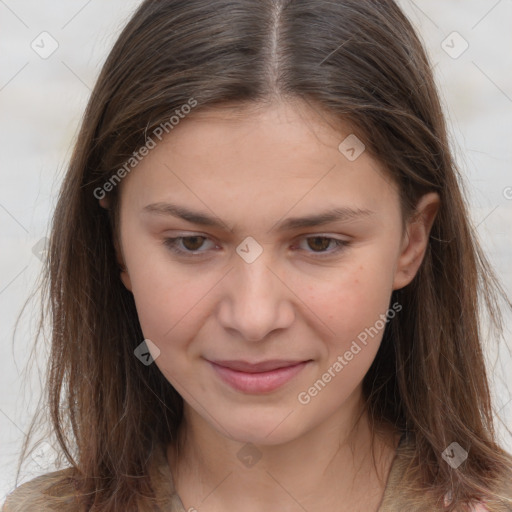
pixel 330 466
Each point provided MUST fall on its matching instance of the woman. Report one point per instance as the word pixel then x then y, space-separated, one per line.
pixel 262 279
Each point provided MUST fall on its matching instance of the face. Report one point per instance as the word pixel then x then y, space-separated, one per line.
pixel 260 317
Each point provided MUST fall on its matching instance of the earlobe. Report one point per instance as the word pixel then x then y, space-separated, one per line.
pixel 416 240
pixel 125 278
pixel 124 275
pixel 104 203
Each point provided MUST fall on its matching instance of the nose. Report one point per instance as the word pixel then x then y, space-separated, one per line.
pixel 255 300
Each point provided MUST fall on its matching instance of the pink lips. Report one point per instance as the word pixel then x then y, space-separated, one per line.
pixel 261 377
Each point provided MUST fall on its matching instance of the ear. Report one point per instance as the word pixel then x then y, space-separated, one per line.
pixel 125 277
pixel 104 202
pixel 416 239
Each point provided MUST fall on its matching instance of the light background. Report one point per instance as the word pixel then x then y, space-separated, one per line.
pixel 42 100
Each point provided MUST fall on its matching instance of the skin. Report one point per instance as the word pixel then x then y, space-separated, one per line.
pixel 298 300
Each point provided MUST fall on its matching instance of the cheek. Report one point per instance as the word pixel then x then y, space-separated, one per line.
pixel 355 297
pixel 353 304
pixel 165 293
pixel 166 304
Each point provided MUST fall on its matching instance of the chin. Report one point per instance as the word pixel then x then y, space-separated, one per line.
pixel 263 430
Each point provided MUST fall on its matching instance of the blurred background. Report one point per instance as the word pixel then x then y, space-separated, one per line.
pixel 51 53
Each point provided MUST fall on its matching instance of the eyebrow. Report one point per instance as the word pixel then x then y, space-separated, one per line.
pixel 289 224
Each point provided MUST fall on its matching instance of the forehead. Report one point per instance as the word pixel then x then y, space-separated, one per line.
pixel 283 125
pixel 270 156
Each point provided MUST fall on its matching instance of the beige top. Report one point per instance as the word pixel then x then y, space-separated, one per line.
pixel 45 493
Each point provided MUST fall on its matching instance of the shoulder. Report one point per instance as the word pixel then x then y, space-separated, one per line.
pixel 56 491
pixel 46 493
pixel 401 492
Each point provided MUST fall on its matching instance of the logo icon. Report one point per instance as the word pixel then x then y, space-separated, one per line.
pixel 249 455
pixel 454 45
pixel 41 456
pixel 147 352
pixel 455 455
pixel 45 45
pixel 249 250
pixel 40 249
pixel 352 148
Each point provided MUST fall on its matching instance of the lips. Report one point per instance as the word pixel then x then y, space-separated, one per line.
pixel 264 366
pixel 257 378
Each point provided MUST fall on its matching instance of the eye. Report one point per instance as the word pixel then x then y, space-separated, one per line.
pixel 186 245
pixel 320 245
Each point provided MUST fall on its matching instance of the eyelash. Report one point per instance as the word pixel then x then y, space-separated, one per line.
pixel 172 245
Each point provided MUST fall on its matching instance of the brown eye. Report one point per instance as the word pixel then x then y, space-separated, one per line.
pixel 192 246
pixel 319 243
pixel 193 243
pixel 323 246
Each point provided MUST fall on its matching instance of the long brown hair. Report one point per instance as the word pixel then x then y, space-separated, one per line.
pixel 355 60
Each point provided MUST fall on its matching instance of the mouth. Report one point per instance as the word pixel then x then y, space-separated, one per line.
pixel 255 378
